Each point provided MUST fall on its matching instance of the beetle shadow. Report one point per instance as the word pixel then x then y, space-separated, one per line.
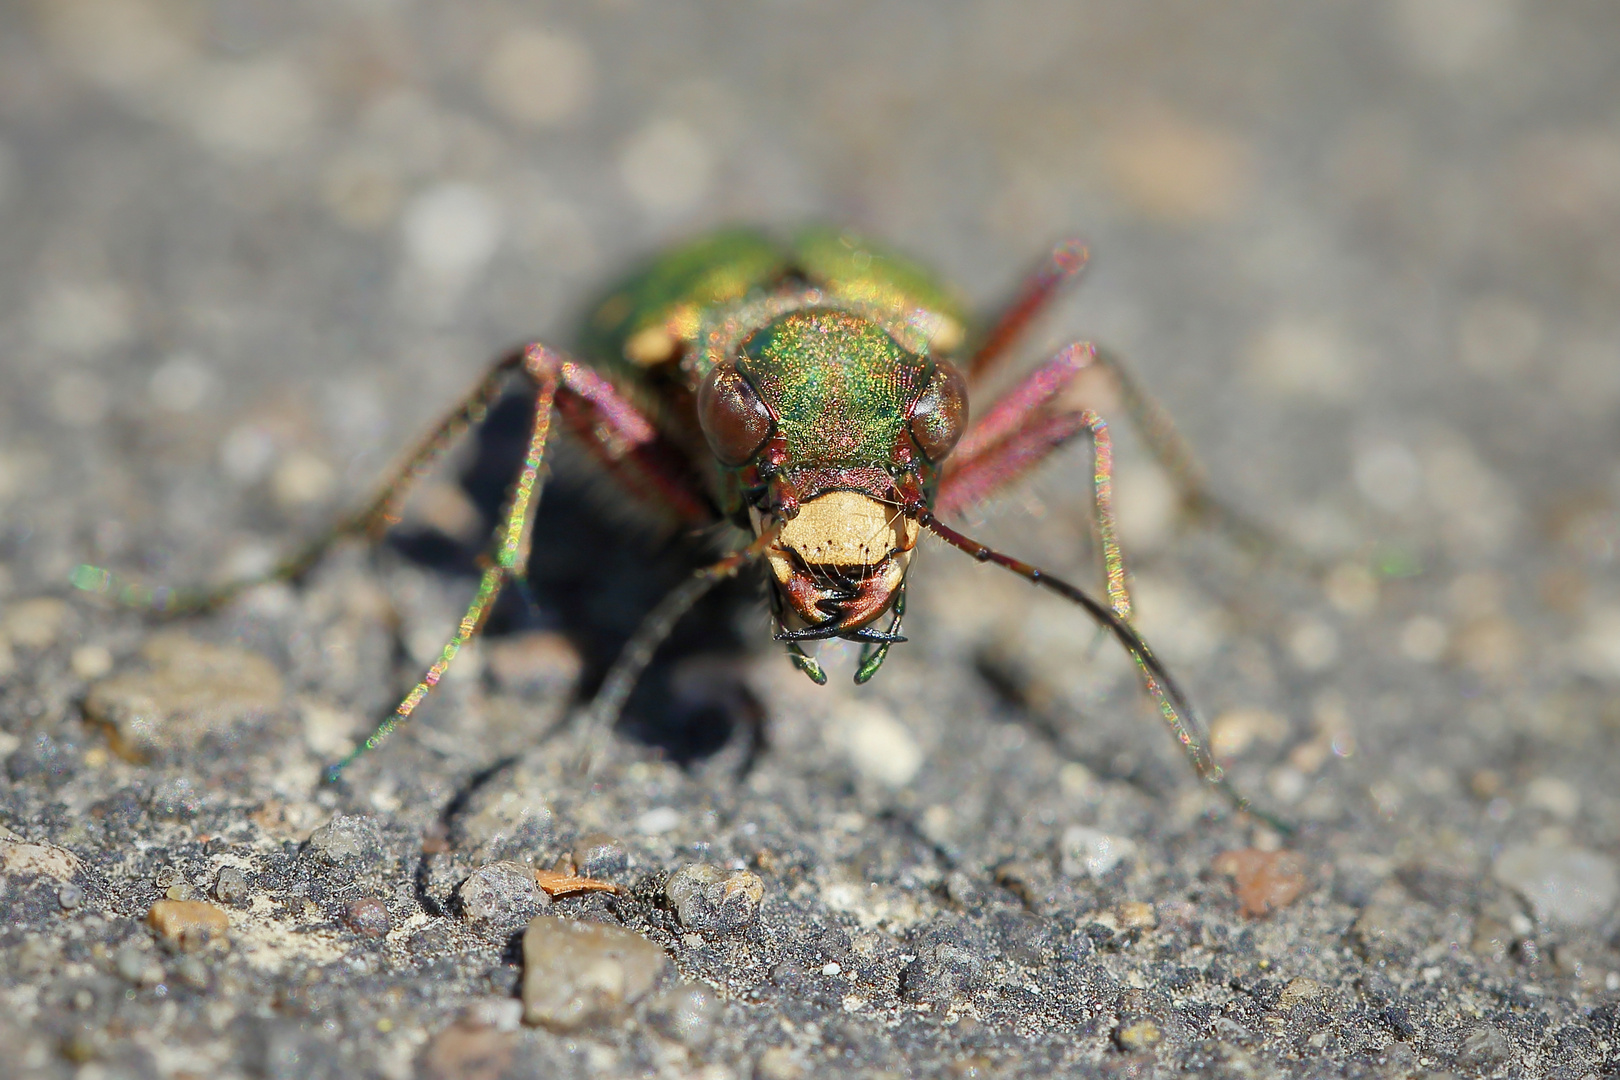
pixel 595 571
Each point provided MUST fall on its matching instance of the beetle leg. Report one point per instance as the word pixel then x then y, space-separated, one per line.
pixel 1174 708
pixel 1036 291
pixel 1033 419
pixel 509 553
pixel 613 427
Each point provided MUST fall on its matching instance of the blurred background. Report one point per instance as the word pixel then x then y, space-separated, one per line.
pixel 1367 252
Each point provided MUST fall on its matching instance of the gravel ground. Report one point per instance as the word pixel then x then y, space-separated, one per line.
pixel 1365 252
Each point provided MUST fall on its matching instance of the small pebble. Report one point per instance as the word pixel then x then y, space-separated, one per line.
pixel 536 664
pixel 501 896
pixel 1235 730
pixel 69 896
pixel 35 623
pixel 778 1063
pixel 1088 852
pixel 711 900
pixel 191 971
pixel 578 973
pixel 658 821
pixel 178 891
pixel 1299 991
pixel 130 962
pixel 600 856
pixel 1135 915
pixel 511 822
pixel 1568 886
pixel 500 1013
pixel 1556 796
pixel 1263 880
pixel 188 924
pixel 231 887
pixel 367 917
pixel 686 1013
pixel 877 744
pixel 1483 1047
pixel 464 1052
pixel 347 838
pixel 192 688
pixel 1140 1035
pixel 91 661
pixel 37 860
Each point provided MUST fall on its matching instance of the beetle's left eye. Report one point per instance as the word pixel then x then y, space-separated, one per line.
pixel 941 413
pixel 734 419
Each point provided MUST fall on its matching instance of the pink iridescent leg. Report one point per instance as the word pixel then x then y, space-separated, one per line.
pixel 616 432
pixel 1036 291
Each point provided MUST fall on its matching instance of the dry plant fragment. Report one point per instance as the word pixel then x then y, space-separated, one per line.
pixel 564 880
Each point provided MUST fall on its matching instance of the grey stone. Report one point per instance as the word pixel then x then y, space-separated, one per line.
pixel 712 900
pixel 501 897
pixel 1483 1047
pixel 578 973
pixel 231 886
pixel 346 840
pixel 191 688
pixel 686 1012
pixel 1567 886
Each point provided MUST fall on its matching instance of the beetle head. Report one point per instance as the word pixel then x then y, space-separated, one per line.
pixel 833 428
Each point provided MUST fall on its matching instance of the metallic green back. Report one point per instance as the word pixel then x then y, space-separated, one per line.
pixel 850 267
pixel 682 287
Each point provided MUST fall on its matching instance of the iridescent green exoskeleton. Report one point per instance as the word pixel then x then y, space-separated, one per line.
pixel 813 392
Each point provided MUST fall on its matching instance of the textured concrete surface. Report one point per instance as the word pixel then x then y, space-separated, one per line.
pixel 1366 253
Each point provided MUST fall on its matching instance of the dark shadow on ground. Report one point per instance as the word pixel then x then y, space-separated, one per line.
pixel 594 573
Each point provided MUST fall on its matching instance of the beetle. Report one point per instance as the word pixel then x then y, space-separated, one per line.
pixel 814 394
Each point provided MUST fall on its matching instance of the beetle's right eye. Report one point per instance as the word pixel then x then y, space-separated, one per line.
pixel 734 419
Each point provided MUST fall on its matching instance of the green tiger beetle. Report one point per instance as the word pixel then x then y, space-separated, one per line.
pixel 813 394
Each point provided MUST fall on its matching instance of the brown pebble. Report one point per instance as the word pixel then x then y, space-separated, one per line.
pixel 464 1052
pixel 1262 880
pixel 1135 915
pixel 188 924
pixel 367 917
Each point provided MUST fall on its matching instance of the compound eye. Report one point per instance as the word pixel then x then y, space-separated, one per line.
pixel 734 419
pixel 941 413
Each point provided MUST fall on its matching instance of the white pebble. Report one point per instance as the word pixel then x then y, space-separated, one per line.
pixel 657 821
pixel 1564 885
pixel 1088 852
pixel 1314 645
pixel 452 230
pixel 1302 357
pixel 666 167
pixel 180 384
pixel 877 744
pixel 83 318
pixel 1558 797
pixel 255 109
pixel 1424 639
pixel 1597 649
